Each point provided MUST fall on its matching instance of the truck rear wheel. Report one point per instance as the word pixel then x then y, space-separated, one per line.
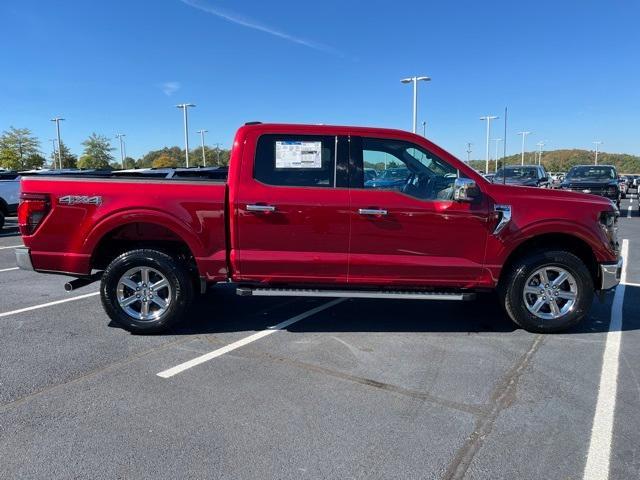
pixel 146 291
pixel 547 291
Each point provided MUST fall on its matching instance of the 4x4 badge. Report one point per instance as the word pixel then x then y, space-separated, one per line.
pixel 80 200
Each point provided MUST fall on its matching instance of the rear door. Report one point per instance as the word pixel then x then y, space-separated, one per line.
pixel 291 209
pixel 411 232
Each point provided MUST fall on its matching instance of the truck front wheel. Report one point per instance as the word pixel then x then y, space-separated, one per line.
pixel 146 291
pixel 547 291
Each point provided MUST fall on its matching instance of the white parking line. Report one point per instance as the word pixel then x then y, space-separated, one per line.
pixel 8 269
pixel 245 341
pixel 11 246
pixel 629 212
pixel 49 304
pixel 599 456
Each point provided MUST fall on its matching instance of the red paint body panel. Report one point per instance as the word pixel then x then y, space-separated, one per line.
pixel 316 234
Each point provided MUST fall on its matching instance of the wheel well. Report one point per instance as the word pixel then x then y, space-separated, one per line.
pixel 137 235
pixel 549 241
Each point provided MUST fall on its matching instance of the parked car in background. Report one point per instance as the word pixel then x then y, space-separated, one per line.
pixel 599 180
pixel 556 179
pixel 489 176
pixel 389 178
pixel 9 195
pixel 622 184
pixel 523 175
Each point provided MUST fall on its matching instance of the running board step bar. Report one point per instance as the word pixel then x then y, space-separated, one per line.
pixel 406 295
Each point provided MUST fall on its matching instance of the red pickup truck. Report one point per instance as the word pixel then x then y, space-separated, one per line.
pixel 295 216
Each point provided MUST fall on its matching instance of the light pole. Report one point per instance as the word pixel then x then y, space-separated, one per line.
pixel 540 145
pixel 524 135
pixel 497 140
pixel 58 120
pixel 202 132
pixel 185 107
pixel 488 119
pixel 469 152
pixel 598 143
pixel 119 137
pixel 55 151
pixel 217 154
pixel 415 81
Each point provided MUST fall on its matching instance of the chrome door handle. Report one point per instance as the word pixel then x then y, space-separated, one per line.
pixel 261 208
pixel 372 211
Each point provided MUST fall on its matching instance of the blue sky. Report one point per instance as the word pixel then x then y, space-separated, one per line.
pixel 567 70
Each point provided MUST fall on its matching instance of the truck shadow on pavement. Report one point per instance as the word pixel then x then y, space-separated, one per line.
pixel 220 311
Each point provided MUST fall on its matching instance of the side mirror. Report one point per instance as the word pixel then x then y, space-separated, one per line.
pixel 465 190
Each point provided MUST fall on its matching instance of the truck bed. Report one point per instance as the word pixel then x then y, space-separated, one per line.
pixel 92 214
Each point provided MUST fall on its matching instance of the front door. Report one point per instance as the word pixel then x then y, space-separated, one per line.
pixel 405 227
pixel 291 210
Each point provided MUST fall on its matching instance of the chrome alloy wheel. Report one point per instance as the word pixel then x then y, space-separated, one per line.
pixel 144 293
pixel 550 292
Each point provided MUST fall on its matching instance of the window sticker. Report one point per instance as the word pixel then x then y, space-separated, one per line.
pixel 295 154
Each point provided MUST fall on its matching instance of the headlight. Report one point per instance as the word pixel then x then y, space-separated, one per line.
pixel 609 223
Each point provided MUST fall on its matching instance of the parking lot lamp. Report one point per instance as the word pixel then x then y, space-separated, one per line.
pixel 597 144
pixel 415 81
pixel 540 145
pixel 202 132
pixel 55 151
pixel 469 151
pixel 497 140
pixel 524 135
pixel 184 107
pixel 488 119
pixel 58 120
pixel 119 137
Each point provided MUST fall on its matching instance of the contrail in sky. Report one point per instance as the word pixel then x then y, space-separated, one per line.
pixel 255 25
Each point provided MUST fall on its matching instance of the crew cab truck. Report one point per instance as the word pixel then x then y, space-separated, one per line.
pixel 295 217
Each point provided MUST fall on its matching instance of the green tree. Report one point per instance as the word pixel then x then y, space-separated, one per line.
pixel 17 145
pixel 9 159
pixel 69 160
pixel 164 161
pixel 97 152
pixel 129 162
pixel 35 160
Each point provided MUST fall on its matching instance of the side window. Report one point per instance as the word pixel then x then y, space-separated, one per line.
pixel 296 160
pixel 407 168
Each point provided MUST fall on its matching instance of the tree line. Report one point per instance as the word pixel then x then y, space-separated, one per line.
pixel 20 150
pixel 563 160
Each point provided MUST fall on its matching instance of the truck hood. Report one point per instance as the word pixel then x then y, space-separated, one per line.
pixel 503 193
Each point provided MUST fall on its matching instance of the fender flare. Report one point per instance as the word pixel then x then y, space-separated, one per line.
pixel 155 217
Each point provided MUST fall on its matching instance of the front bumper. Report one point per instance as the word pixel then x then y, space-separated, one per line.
pixel 610 274
pixel 23 258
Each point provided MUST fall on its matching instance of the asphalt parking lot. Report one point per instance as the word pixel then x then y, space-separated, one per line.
pixel 349 389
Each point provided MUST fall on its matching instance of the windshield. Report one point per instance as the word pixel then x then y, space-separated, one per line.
pixel 517 173
pixel 592 173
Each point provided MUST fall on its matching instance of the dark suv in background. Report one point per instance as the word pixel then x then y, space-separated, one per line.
pixel 595 179
pixel 524 175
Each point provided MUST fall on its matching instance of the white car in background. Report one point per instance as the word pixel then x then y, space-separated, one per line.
pixel 9 195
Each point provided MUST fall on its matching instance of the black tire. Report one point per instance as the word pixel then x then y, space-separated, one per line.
pixel 512 288
pixel 176 274
pixel 1 220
